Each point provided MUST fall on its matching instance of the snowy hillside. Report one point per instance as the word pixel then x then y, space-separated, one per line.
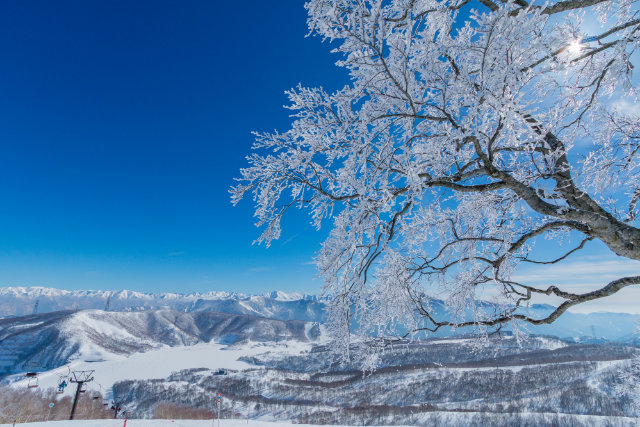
pixel 157 423
pixel 413 381
pixel 46 341
pixel 435 418
pixel 160 423
pixel 281 370
pixel 541 381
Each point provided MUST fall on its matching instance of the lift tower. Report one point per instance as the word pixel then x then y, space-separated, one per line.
pixel 80 378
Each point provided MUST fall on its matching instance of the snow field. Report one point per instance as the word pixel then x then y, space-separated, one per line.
pixel 443 419
pixel 157 423
pixel 160 363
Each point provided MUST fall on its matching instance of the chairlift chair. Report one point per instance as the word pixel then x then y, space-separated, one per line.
pixel 32 376
pixel 62 383
pixel 33 379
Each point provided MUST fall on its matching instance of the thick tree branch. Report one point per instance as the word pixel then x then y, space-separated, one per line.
pixel 564 6
pixel 574 299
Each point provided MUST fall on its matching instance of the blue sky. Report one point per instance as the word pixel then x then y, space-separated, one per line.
pixel 123 125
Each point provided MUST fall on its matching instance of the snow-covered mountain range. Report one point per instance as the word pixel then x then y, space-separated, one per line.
pixel 18 301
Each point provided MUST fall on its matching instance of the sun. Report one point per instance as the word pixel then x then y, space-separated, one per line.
pixel 575 47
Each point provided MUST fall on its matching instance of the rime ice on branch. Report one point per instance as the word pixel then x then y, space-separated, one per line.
pixel 469 129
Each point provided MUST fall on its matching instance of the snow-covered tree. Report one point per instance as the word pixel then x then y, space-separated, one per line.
pixel 469 129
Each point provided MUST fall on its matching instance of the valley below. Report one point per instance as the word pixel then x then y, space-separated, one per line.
pixel 171 364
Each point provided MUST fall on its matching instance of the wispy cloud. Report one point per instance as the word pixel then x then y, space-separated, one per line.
pixel 579 275
pixel 584 275
pixel 289 240
pixel 177 253
pixel 627 107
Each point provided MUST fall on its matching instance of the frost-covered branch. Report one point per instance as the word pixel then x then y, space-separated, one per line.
pixel 461 140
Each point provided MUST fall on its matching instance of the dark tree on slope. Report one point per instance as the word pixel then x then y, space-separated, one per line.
pixel 468 130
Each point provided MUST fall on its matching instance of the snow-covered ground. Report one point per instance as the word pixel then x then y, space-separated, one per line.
pixel 443 418
pixel 157 423
pixel 160 363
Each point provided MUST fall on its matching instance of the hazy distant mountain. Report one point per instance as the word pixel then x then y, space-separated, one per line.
pixel 19 301
pixel 15 301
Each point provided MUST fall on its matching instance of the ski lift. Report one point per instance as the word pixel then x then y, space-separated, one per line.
pixel 83 388
pixel 32 378
pixel 62 383
pixel 99 395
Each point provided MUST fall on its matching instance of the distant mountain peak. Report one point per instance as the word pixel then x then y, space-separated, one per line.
pixel 279 305
pixel 18 301
pixel 291 296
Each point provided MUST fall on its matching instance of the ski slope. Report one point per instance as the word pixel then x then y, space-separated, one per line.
pixel 160 363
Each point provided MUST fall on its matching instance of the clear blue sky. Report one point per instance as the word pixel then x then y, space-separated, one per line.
pixel 122 126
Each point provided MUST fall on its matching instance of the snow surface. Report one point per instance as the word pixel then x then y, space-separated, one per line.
pixel 158 423
pixel 447 418
pixel 160 363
